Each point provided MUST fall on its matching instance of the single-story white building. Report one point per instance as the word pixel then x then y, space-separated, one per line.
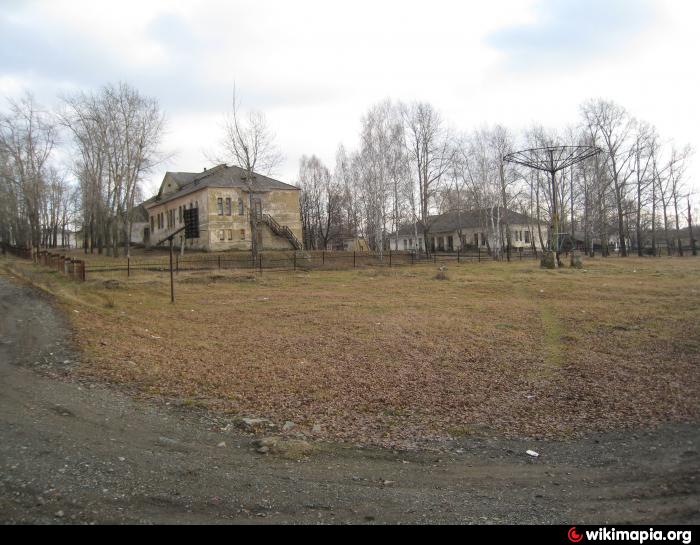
pixel 463 230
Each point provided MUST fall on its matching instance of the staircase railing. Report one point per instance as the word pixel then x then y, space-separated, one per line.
pixel 281 230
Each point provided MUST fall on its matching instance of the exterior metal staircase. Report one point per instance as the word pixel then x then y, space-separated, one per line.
pixel 281 230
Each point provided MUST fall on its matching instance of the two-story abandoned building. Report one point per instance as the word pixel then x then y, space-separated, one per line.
pixel 227 206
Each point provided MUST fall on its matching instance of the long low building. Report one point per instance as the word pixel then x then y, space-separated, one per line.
pixel 460 230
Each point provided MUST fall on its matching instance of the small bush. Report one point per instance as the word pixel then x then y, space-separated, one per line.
pixel 441 275
pixel 549 261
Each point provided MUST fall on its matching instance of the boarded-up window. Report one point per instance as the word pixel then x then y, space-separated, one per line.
pixel 191 219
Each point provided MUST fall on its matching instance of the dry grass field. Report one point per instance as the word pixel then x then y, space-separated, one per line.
pixel 398 357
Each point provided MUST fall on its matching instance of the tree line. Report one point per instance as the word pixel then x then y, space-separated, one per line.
pixel 411 165
pixel 80 166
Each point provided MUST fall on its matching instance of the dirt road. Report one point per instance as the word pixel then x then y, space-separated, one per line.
pixel 82 453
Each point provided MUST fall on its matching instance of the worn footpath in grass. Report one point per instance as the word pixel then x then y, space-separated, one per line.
pixel 394 356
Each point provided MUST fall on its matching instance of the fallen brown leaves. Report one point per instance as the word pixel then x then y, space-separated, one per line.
pixel 397 358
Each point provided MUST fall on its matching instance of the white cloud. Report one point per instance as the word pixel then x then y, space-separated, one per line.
pixel 315 66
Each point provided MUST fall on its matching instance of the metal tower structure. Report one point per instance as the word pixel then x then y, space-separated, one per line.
pixel 552 159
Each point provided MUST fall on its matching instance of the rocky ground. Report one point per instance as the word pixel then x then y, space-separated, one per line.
pixel 74 452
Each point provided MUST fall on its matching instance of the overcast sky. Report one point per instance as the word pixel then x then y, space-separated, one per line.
pixel 314 67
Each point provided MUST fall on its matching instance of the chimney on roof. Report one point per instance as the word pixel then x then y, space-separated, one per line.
pixel 205 169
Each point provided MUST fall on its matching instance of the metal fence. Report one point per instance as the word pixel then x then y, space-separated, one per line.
pixel 294 261
pixel 265 261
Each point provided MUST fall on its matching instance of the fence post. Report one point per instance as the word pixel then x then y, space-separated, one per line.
pixel 219 260
pixel 434 258
pixel 412 257
pixel 353 259
pixel 128 266
pixel 390 258
pixel 458 255
pixel 323 258
pixel 82 270
pixel 479 250
pixel 260 262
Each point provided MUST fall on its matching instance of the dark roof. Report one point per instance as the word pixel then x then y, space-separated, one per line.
pixel 467 219
pixel 139 213
pixel 219 176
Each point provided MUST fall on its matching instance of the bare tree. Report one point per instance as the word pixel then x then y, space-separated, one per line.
pixel 249 143
pixel 27 140
pixel 116 135
pixel 430 151
pixel 615 127
pixel 322 199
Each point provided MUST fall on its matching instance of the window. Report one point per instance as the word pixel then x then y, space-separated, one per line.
pixel 242 234
pixel 483 239
pixel 476 239
pixel 229 232
pixel 220 206
pixel 228 206
pixel 221 234
pixel 152 224
pixel 405 244
pixel 179 214
pixel 527 237
pixel 240 207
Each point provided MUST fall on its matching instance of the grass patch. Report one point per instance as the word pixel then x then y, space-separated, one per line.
pixel 392 356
